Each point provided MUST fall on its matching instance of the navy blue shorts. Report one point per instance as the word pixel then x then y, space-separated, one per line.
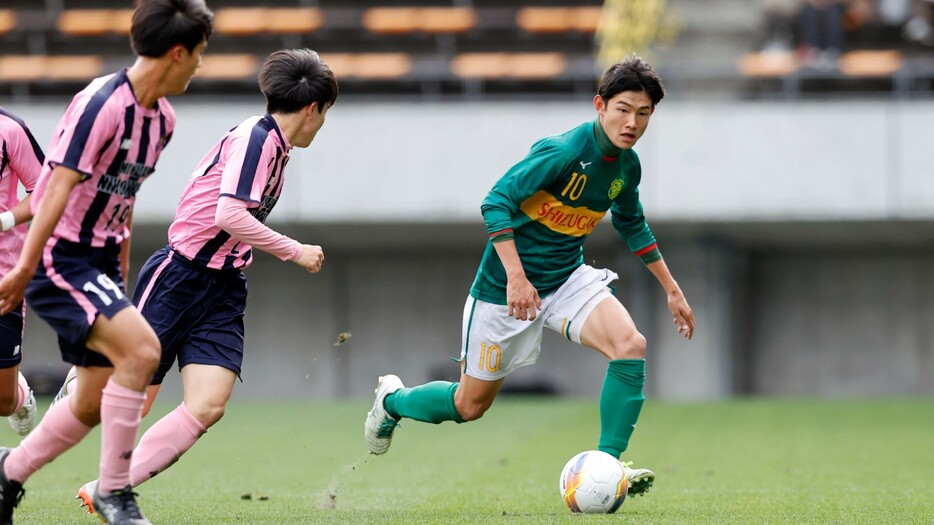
pixel 197 312
pixel 74 283
pixel 11 338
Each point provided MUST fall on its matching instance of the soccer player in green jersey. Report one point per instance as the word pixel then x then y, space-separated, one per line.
pixel 533 275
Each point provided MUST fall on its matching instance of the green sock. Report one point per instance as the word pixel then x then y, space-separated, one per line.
pixel 620 402
pixel 432 403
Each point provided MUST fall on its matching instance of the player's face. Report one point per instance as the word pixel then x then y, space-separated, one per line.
pixel 312 123
pixel 625 116
pixel 184 66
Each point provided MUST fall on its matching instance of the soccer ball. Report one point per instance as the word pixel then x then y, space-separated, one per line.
pixel 593 482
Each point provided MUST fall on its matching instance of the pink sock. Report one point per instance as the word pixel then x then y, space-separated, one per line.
pixel 58 431
pixel 121 411
pixel 165 442
pixel 23 392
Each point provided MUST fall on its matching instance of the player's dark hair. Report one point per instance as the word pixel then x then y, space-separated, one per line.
pixel 631 74
pixel 294 78
pixel 160 24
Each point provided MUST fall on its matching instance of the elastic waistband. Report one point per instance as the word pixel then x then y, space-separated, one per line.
pixel 176 257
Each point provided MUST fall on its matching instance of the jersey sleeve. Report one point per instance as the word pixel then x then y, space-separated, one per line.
pixel 248 166
pixel 629 221
pixel 89 124
pixel 545 162
pixel 27 158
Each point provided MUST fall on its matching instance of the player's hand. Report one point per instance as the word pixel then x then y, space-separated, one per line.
pixel 312 258
pixel 522 299
pixel 12 289
pixel 683 315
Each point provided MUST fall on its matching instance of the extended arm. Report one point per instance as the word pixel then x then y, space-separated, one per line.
pixel 521 297
pixel 17 214
pixel 49 212
pixel 233 217
pixel 677 304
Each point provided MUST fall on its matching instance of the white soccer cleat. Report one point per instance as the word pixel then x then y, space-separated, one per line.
pixel 379 425
pixel 63 391
pixel 640 479
pixel 24 420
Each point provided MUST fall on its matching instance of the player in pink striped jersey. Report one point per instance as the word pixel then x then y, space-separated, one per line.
pixel 21 158
pixel 193 292
pixel 104 147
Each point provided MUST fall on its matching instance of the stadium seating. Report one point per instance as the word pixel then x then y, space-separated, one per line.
pixel 7 20
pixel 421 46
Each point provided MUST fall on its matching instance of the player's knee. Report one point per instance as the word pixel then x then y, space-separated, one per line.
pixel 631 347
pixel 147 356
pixel 471 411
pixel 207 413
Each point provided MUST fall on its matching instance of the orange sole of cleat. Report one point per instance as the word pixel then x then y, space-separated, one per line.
pixel 87 501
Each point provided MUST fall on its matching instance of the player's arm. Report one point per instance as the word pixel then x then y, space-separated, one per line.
pixel 677 304
pixel 124 255
pixel 26 159
pixel 629 221
pixel 48 213
pixel 545 162
pixel 233 216
pixel 17 214
pixel 521 297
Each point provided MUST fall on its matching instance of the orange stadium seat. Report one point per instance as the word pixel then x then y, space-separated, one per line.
pixel 586 19
pixel 93 22
pixel 509 65
pixel 241 21
pixel 390 20
pixel 7 20
pixel 544 19
pixel 400 20
pixel 866 63
pixel 447 19
pixel 228 67
pixel 41 67
pixel 559 19
pixel 369 65
pixel 295 20
pixel 768 64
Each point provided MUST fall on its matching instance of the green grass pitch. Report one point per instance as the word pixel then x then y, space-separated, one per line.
pixel 743 461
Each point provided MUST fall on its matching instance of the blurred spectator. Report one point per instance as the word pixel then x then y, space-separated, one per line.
pixel 779 24
pixel 920 27
pixel 822 36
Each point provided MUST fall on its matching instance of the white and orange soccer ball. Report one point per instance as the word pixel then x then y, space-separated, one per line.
pixel 593 482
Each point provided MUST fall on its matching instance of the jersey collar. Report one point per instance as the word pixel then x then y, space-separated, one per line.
pixel 603 141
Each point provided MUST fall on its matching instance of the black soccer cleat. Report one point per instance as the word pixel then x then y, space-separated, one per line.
pixel 118 508
pixel 11 492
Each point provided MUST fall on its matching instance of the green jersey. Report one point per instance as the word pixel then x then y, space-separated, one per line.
pixel 552 200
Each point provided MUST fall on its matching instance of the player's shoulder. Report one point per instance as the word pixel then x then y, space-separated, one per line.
pixel 10 124
pixel 568 143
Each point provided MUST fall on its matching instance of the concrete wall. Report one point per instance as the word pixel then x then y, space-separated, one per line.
pixel 803 236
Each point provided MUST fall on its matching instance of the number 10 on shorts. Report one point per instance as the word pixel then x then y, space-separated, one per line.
pixel 490 357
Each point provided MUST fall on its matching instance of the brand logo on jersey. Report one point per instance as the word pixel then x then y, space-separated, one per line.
pixel 128 187
pixel 559 217
pixel 585 164
pixel 126 144
pixel 615 187
pixel 265 207
pixel 16 350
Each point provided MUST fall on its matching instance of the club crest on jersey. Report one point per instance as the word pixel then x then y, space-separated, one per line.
pixel 615 187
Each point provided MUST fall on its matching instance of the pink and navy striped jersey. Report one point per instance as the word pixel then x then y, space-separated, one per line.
pixel 21 159
pixel 114 143
pixel 247 164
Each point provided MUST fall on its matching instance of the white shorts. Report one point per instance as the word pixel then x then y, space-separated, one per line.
pixel 495 343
